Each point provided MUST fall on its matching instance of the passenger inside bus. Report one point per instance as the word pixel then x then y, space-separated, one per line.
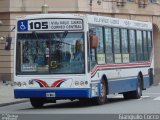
pixel 78 50
pixel 47 54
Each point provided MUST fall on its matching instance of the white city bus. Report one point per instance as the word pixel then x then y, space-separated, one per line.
pixel 85 57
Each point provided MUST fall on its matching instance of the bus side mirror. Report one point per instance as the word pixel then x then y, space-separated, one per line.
pixel 93 41
pixel 8 43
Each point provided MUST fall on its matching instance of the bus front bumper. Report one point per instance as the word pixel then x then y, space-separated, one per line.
pixel 55 93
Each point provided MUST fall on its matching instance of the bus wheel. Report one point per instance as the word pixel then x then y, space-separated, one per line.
pixel 138 92
pixel 135 94
pixel 36 103
pixel 102 98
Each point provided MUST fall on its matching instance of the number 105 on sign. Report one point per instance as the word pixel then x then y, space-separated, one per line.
pixel 38 25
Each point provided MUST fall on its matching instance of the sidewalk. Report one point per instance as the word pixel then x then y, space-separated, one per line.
pixel 7 95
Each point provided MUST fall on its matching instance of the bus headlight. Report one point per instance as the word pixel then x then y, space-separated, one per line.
pixel 19 84
pixel 86 82
pixel 24 84
pixel 76 83
pixel 15 84
pixel 82 83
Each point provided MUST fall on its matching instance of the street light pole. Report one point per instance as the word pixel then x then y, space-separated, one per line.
pixel 44 7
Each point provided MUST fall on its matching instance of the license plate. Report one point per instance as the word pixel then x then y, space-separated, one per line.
pixel 50 94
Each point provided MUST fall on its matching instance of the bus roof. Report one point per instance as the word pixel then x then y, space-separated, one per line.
pixel 95 20
pixel 116 22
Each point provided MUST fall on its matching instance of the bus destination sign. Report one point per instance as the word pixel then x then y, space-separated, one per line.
pixel 50 24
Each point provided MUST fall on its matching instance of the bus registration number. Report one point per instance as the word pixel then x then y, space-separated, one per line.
pixel 51 94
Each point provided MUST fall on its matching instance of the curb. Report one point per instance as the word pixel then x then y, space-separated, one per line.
pixel 11 103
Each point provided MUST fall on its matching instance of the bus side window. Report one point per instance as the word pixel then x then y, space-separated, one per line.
pixel 149 36
pixel 145 45
pixel 124 42
pixel 139 46
pixel 100 55
pixel 109 45
pixel 92 50
pixel 117 49
pixel 132 46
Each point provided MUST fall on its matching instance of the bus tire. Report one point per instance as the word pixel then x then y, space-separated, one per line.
pixel 102 98
pixel 36 103
pixel 138 92
pixel 135 94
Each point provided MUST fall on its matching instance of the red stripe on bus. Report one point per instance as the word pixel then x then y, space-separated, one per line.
pixel 43 83
pixel 56 83
pixel 118 65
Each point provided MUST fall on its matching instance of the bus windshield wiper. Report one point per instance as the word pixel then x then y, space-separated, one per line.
pixel 34 32
pixel 61 38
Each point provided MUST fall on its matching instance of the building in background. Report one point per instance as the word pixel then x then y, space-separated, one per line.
pixel 143 10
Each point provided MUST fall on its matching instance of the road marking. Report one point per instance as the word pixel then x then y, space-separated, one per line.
pixel 121 96
pixel 157 98
pixel 115 96
pixel 118 96
pixel 152 93
pixel 143 97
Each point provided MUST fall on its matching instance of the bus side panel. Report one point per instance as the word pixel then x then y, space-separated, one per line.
pixel 146 82
pixel 123 85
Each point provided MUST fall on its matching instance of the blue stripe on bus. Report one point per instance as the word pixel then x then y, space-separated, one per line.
pixel 60 93
pixel 124 85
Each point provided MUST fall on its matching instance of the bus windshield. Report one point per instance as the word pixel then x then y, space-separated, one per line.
pixel 49 53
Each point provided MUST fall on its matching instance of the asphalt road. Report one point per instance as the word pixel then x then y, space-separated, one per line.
pixel 148 103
